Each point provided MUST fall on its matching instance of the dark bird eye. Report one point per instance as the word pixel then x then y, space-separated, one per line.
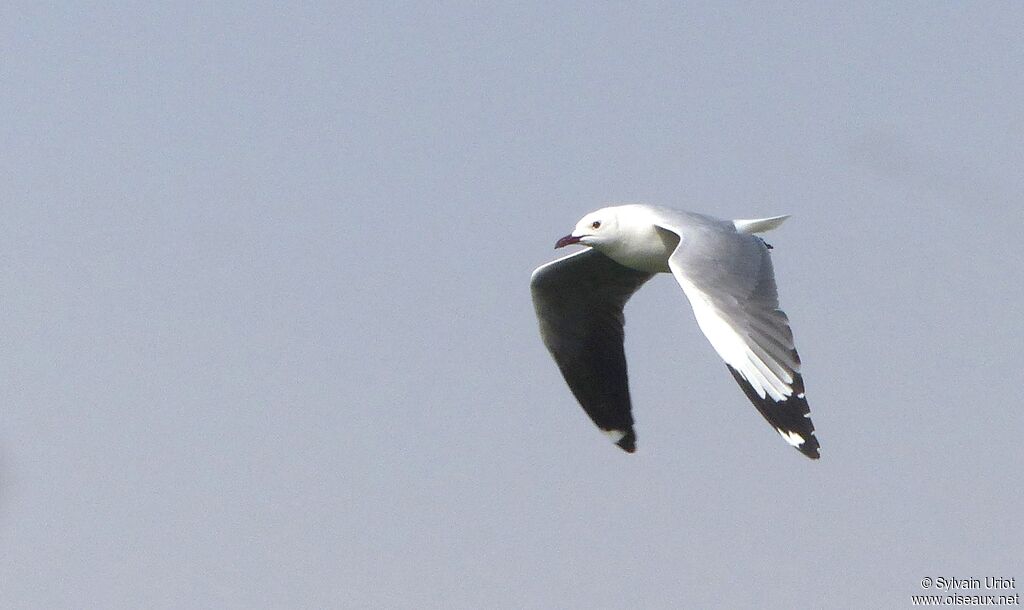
pixel 596 224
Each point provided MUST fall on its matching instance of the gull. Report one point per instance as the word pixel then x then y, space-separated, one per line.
pixel 725 272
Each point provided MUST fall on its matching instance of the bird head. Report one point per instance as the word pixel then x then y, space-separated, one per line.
pixel 594 229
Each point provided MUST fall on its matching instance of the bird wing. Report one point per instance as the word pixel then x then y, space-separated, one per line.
pixel 728 278
pixel 579 301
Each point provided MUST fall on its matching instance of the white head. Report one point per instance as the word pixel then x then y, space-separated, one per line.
pixel 595 229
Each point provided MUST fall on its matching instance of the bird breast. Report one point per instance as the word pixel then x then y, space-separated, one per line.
pixel 644 248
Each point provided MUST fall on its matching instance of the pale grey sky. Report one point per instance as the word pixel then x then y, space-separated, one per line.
pixel 267 338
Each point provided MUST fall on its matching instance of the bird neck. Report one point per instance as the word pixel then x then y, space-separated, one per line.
pixel 642 246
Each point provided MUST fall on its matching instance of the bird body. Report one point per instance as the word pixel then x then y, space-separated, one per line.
pixel 635 239
pixel 726 273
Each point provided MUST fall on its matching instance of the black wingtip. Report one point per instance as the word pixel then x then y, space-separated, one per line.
pixel 810 449
pixel 628 442
pixel 790 418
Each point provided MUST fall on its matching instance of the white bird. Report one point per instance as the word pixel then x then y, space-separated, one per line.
pixel 726 273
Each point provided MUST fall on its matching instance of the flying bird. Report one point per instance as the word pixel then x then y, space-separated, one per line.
pixel 725 271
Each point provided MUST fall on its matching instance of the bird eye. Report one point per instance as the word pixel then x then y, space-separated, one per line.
pixel 596 224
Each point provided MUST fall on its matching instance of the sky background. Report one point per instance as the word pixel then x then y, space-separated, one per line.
pixel 267 339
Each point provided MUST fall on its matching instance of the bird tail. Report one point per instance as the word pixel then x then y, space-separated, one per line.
pixel 759 225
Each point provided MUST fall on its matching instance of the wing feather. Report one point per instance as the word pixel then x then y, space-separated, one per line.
pixel 579 301
pixel 729 281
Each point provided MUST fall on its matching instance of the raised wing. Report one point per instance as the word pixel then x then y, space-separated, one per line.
pixel 729 280
pixel 579 301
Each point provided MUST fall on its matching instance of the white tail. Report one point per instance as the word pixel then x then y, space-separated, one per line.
pixel 759 225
